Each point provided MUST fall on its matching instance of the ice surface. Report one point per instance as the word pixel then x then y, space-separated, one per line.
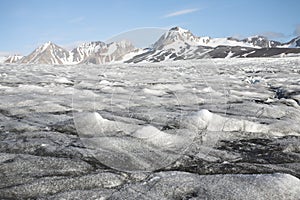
pixel 204 119
pixel 129 147
pixel 192 99
pixel 111 126
pixel 161 139
pixel 172 185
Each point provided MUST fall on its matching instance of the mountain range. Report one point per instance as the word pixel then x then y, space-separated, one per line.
pixel 175 44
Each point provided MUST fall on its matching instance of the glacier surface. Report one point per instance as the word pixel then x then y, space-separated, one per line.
pixel 201 129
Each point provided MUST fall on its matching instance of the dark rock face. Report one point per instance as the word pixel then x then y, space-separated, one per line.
pixel 298 42
pixel 224 51
pixel 247 143
pixel 266 52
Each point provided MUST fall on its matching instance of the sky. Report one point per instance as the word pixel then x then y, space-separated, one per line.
pixel 26 24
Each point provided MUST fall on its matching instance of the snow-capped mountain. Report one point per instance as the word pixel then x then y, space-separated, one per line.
pixel 175 44
pixel 109 53
pixel 49 53
pixel 92 52
pixel 179 37
pixel 179 44
pixel 261 41
pixel 13 59
pixel 85 50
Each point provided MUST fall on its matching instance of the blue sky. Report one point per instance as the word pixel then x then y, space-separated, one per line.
pixel 25 24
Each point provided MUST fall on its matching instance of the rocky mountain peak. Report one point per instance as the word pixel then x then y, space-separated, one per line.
pixel 176 34
pixel 86 49
pixel 47 45
pixel 48 53
pixel 261 41
pixel 111 52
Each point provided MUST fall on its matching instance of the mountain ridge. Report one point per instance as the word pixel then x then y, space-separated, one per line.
pixel 96 52
pixel 175 44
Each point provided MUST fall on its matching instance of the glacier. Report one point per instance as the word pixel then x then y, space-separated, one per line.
pixel 196 129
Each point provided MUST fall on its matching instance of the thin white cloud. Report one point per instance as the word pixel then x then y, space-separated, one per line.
pixel 180 12
pixel 76 20
pixel 238 36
